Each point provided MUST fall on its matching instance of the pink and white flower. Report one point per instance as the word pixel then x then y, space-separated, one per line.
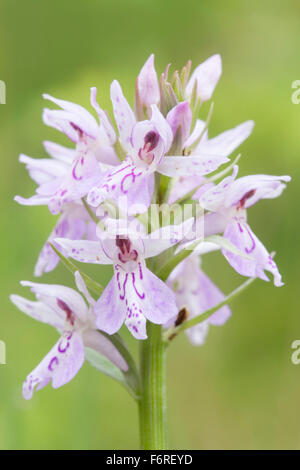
pixel 74 223
pixel 223 144
pixel 66 310
pixel 134 294
pixel 146 144
pixel 197 293
pixel 205 78
pixel 72 173
pixel 227 203
pixel 147 88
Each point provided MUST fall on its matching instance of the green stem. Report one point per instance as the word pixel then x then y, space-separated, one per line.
pixel 152 405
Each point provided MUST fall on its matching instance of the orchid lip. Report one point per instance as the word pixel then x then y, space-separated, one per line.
pixel 126 253
pixel 151 140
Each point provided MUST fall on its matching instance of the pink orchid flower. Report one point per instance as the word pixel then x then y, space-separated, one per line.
pixel 197 293
pixel 134 294
pixel 66 310
pixel 71 173
pixel 146 144
pixel 227 203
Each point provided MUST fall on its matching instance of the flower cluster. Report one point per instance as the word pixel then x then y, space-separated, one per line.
pixel 104 188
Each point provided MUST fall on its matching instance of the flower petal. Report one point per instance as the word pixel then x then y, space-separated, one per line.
pixel 214 223
pixel 95 340
pixel 60 298
pixel 147 84
pixel 123 113
pixel 105 123
pixel 132 297
pixel 184 184
pixel 165 237
pixel 42 170
pixel 247 190
pixel 197 131
pixel 145 134
pixel 35 200
pixel 127 181
pixel 59 152
pixel 60 365
pixel 225 143
pixel 159 304
pixel 214 198
pixel 181 116
pixel 109 310
pixel 85 251
pixel 38 310
pixel 197 335
pixel 241 235
pixel 190 166
pixel 206 75
pixel 162 126
pixel 195 291
pixel 67 227
pixel 71 120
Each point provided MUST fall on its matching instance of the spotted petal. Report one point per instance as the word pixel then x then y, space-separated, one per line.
pixel 73 119
pixel 181 116
pixel 147 84
pixel 128 181
pixel 85 251
pixel 123 113
pixel 240 234
pixel 59 366
pixel 190 166
pixel 252 188
pixel 59 298
pixel 159 305
pixel 134 297
pixel 165 237
pixel 67 227
pixel 110 310
pixel 214 198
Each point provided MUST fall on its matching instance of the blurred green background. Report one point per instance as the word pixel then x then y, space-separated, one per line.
pixel 240 390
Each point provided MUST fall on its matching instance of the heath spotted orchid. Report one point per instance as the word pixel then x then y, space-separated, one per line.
pixel 131 195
